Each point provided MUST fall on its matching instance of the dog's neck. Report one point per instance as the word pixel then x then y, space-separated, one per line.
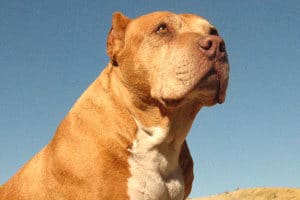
pixel 174 122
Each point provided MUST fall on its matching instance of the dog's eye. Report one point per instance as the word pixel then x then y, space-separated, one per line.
pixel 213 31
pixel 162 29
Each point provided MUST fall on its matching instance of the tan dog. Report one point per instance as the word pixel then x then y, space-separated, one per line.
pixel 125 136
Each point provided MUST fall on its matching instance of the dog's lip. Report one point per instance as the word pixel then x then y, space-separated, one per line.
pixel 210 80
pixel 222 72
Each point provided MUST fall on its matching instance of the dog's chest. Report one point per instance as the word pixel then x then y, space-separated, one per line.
pixel 155 173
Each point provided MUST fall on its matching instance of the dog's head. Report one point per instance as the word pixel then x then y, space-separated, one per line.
pixel 173 58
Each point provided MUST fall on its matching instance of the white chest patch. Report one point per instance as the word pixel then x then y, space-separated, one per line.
pixel 154 168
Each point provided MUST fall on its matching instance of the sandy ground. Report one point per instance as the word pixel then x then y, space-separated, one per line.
pixel 258 194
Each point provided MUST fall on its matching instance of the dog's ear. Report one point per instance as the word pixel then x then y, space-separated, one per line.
pixel 115 40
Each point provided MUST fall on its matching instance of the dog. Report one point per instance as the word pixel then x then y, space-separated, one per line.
pixel 125 136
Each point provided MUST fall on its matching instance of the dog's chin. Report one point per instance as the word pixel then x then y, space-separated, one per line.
pixel 203 97
pixel 205 94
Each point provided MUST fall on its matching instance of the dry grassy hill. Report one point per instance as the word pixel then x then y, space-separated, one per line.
pixel 258 194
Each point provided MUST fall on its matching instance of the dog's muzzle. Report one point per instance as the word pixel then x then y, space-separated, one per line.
pixel 213 47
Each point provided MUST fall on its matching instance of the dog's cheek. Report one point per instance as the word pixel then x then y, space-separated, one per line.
pixel 177 73
pixel 134 74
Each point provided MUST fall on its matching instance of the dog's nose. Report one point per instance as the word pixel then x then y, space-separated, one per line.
pixel 212 46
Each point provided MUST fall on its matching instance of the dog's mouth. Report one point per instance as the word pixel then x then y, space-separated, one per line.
pixel 212 86
pixel 216 79
pixel 208 87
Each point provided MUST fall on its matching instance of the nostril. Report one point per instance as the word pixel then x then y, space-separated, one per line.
pixel 209 44
pixel 222 47
pixel 206 44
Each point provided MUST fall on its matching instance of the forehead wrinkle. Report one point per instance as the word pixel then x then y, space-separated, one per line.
pixel 196 24
pixel 175 20
pixel 149 22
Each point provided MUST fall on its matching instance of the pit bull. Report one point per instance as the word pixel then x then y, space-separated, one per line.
pixel 125 136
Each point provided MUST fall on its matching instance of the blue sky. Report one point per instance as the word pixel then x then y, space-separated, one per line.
pixel 50 51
